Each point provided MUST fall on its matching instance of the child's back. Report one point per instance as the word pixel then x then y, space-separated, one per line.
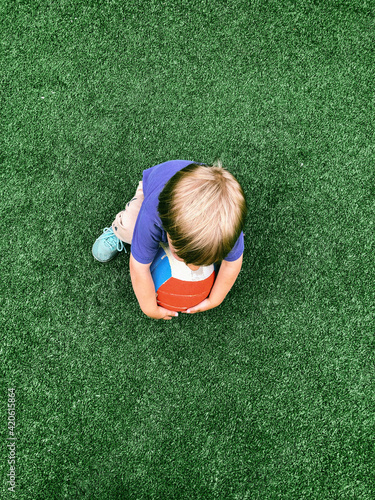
pixel 198 209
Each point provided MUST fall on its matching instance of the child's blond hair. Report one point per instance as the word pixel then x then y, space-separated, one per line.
pixel 203 210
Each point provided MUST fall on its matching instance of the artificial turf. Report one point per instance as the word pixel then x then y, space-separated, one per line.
pixel 270 395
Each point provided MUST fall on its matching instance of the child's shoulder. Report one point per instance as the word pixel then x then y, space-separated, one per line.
pixel 169 166
pixel 157 176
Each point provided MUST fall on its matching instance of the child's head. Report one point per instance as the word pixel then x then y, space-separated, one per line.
pixel 203 210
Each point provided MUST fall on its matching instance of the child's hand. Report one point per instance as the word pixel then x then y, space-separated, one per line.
pixel 161 313
pixel 205 305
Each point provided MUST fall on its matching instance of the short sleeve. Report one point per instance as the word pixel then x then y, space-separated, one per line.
pixel 146 238
pixel 237 250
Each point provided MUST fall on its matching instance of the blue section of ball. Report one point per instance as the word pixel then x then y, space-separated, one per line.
pixel 160 269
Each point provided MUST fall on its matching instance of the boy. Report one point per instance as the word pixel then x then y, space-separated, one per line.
pixel 199 210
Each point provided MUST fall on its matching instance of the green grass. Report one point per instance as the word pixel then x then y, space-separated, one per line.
pixel 269 396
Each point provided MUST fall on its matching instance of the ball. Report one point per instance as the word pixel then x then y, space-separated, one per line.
pixel 177 287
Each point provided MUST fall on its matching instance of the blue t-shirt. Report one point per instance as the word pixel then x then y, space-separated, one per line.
pixel 148 231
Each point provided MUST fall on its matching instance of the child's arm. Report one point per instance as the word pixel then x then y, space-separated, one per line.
pixel 226 278
pixel 144 290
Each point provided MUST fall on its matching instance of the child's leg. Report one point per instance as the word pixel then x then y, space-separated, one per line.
pixel 111 242
pixel 123 225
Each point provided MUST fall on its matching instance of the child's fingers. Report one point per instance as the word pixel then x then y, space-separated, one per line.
pixel 170 314
pixel 168 317
pixel 196 309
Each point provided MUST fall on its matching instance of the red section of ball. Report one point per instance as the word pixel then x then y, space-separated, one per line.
pixel 178 295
